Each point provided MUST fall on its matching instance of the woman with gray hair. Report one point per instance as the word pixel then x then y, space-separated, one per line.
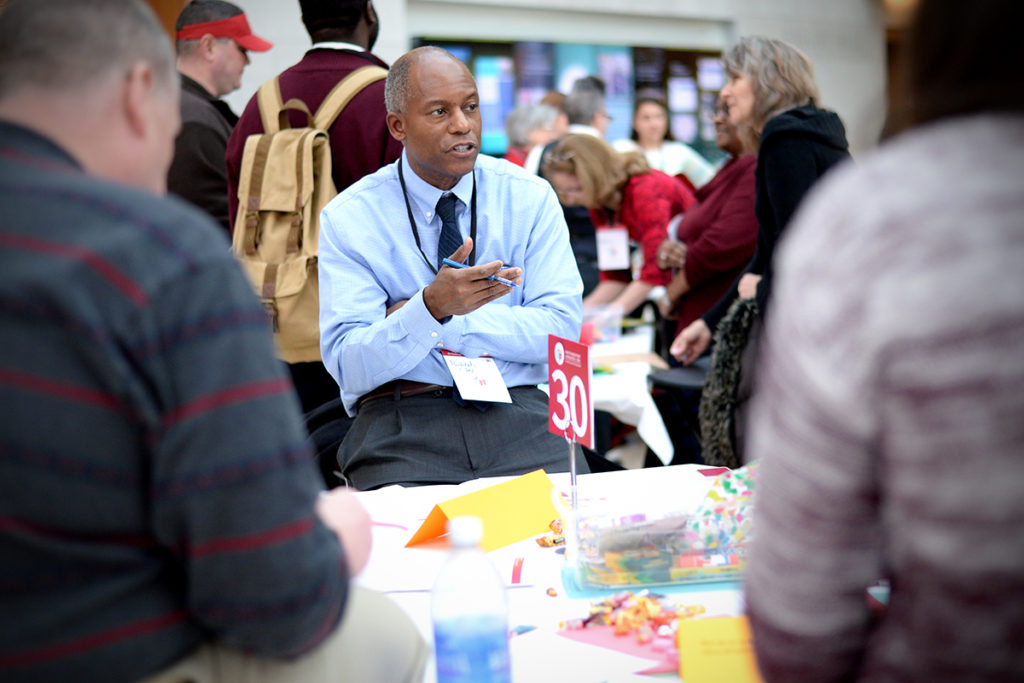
pixel 772 95
pixel 527 126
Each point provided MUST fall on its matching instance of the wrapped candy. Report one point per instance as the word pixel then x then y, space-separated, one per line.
pixel 725 516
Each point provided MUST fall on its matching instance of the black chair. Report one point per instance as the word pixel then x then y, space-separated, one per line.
pixel 327 425
pixel 676 392
pixel 683 378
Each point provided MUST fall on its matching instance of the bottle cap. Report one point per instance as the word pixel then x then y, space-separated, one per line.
pixel 465 531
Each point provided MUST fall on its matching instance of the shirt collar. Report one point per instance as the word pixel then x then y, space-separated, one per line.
pixel 337 45
pixel 582 129
pixel 32 147
pixel 425 195
pixel 189 84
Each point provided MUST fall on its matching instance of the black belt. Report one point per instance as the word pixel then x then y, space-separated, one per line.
pixel 404 388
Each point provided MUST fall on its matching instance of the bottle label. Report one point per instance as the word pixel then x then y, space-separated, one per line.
pixel 472 649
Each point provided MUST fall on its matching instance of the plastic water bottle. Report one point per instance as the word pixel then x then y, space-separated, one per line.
pixel 470 611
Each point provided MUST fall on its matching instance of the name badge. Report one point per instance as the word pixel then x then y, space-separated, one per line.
pixel 613 248
pixel 478 379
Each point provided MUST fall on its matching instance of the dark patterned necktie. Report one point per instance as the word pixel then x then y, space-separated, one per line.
pixel 451 238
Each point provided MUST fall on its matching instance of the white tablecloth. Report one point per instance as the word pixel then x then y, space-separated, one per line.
pixel 625 394
pixel 407 574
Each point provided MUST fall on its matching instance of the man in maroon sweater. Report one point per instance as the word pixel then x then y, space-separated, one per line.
pixel 343 32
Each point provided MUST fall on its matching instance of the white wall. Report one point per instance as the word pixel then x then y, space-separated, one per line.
pixel 844 38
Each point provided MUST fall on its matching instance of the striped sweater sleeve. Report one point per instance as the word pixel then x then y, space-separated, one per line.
pixel 233 483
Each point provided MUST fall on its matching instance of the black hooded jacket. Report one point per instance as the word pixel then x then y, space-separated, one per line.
pixel 797 147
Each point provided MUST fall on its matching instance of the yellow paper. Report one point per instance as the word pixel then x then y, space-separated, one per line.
pixel 511 511
pixel 715 650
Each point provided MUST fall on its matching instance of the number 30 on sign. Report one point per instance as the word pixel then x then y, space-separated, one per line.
pixel 570 410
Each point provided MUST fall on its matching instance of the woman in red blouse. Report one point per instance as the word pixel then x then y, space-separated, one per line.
pixel 629 202
pixel 717 238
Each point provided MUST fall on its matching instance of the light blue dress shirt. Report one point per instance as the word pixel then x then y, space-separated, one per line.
pixel 369 260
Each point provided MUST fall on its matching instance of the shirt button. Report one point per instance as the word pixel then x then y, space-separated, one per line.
pixel 440 344
pixel 433 334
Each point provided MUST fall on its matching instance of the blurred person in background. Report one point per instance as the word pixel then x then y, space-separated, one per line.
pixel 213 41
pixel 887 419
pixel 716 237
pixel 555 99
pixel 526 127
pixel 624 195
pixel 652 136
pixel 771 94
pixel 587 114
pixel 706 251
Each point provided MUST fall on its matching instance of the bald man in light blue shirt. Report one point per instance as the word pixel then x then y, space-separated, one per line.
pixel 387 310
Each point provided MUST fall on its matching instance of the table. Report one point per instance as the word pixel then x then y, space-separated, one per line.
pixel 407 574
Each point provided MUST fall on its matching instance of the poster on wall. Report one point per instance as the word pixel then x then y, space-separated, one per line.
pixel 615 67
pixel 708 105
pixel 649 69
pixel 573 62
pixel 684 126
pixel 495 83
pixel 514 73
pixel 535 69
pixel 682 94
pixel 710 73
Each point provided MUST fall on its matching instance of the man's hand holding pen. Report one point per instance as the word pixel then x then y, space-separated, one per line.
pixel 458 291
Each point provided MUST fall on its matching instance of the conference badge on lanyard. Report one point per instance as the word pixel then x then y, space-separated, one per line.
pixel 478 379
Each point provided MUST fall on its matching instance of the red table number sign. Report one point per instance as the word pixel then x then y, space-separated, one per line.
pixel 570 409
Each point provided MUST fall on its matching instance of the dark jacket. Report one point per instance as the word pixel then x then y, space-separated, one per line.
pixel 797 147
pixel 197 173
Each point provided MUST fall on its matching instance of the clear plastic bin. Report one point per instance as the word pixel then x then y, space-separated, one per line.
pixel 602 323
pixel 633 539
pixel 621 552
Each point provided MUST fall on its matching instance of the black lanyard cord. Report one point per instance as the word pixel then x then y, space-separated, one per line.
pixel 416 233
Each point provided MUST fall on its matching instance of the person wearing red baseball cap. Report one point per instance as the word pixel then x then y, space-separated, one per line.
pixel 212 41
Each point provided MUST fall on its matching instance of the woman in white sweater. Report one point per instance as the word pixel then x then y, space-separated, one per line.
pixel 651 135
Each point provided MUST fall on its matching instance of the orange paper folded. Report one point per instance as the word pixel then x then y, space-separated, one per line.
pixel 511 511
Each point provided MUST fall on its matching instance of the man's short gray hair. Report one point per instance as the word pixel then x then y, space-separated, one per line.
pixel 396 88
pixel 584 102
pixel 397 84
pixel 526 118
pixel 72 44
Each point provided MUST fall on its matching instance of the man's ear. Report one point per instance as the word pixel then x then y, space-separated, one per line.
pixel 396 125
pixel 137 91
pixel 206 45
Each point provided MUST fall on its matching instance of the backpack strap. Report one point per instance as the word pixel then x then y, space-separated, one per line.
pixel 268 97
pixel 344 91
pixel 249 237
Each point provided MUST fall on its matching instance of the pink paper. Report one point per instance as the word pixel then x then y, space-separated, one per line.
pixel 669 666
pixel 604 636
pixel 713 471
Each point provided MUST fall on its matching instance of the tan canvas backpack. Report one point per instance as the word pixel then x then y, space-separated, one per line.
pixel 284 182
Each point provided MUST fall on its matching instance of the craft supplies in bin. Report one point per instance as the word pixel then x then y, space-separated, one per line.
pixel 602 323
pixel 648 541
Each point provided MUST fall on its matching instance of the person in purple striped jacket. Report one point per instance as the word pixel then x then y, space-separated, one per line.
pixel 889 415
pixel 161 517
